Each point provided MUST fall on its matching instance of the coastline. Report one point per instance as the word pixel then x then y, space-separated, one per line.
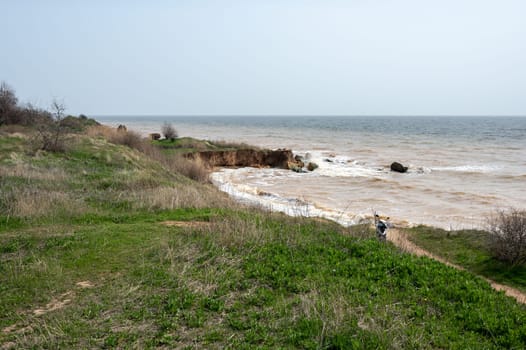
pixel 460 170
pixel 106 228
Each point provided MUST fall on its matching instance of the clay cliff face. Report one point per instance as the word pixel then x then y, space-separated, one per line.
pixel 281 158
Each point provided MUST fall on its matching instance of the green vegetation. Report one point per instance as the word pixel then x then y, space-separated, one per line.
pixel 102 246
pixel 189 144
pixel 469 249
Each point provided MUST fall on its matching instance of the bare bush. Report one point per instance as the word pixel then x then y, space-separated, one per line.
pixel 52 135
pixel 8 104
pixel 169 131
pixel 508 236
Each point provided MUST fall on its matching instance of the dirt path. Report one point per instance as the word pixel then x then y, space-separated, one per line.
pixel 400 239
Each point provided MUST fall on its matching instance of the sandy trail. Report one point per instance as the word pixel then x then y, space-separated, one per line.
pixel 400 239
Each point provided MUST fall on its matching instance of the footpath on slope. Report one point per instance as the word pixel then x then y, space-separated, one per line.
pixel 400 239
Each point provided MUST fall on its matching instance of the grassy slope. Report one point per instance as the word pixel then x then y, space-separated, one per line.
pixel 469 249
pixel 189 144
pixel 240 279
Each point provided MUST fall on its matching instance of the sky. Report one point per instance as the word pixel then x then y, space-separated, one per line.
pixel 271 57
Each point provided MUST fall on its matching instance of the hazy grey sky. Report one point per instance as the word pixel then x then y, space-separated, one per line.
pixel 383 57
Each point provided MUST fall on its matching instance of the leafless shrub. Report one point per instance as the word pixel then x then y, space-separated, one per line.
pixel 11 113
pixel 508 236
pixel 8 104
pixel 51 133
pixel 169 131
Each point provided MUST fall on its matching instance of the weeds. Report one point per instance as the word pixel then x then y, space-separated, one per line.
pixel 99 268
pixel 508 236
pixel 193 169
pixel 470 250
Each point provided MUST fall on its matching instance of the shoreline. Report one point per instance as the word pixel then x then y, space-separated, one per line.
pixel 452 195
pixel 297 206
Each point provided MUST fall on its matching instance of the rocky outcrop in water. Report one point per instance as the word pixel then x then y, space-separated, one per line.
pixel 395 166
pixel 281 158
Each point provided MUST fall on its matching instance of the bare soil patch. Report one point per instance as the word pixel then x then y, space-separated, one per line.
pixel 190 224
pixel 57 303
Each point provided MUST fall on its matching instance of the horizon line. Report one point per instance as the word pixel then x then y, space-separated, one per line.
pixel 314 115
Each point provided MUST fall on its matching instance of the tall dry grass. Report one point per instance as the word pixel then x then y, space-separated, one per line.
pixel 236 231
pixel 193 169
pixel 131 139
pixel 28 172
pixel 31 203
pixel 165 197
pixel 235 145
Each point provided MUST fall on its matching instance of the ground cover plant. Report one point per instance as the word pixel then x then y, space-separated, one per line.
pixel 190 144
pixel 470 249
pixel 102 246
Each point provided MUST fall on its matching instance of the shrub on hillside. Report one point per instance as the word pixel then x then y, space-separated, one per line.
pixel 508 236
pixel 8 105
pixel 52 132
pixel 169 131
pixel 131 139
pixel 78 124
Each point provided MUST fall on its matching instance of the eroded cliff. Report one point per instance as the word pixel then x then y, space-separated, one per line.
pixel 281 158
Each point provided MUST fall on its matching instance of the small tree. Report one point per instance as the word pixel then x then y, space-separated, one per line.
pixel 52 132
pixel 508 236
pixel 8 105
pixel 169 131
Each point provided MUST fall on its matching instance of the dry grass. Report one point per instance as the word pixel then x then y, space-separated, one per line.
pixel 332 310
pixel 15 130
pixel 236 145
pixel 36 203
pixel 236 231
pixel 131 139
pixel 26 171
pixel 194 169
pixel 178 197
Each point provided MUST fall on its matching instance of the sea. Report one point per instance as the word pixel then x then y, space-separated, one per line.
pixel 461 170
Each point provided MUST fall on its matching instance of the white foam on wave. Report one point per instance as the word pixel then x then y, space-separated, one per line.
pixel 341 166
pixel 290 206
pixel 484 169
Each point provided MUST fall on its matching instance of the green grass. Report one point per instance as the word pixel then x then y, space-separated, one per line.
pixel 189 144
pixel 233 278
pixel 469 249
pixel 296 283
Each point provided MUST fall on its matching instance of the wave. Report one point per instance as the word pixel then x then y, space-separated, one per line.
pixel 290 206
pixel 484 169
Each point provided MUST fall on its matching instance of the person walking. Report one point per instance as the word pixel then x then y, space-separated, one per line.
pixel 381 228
